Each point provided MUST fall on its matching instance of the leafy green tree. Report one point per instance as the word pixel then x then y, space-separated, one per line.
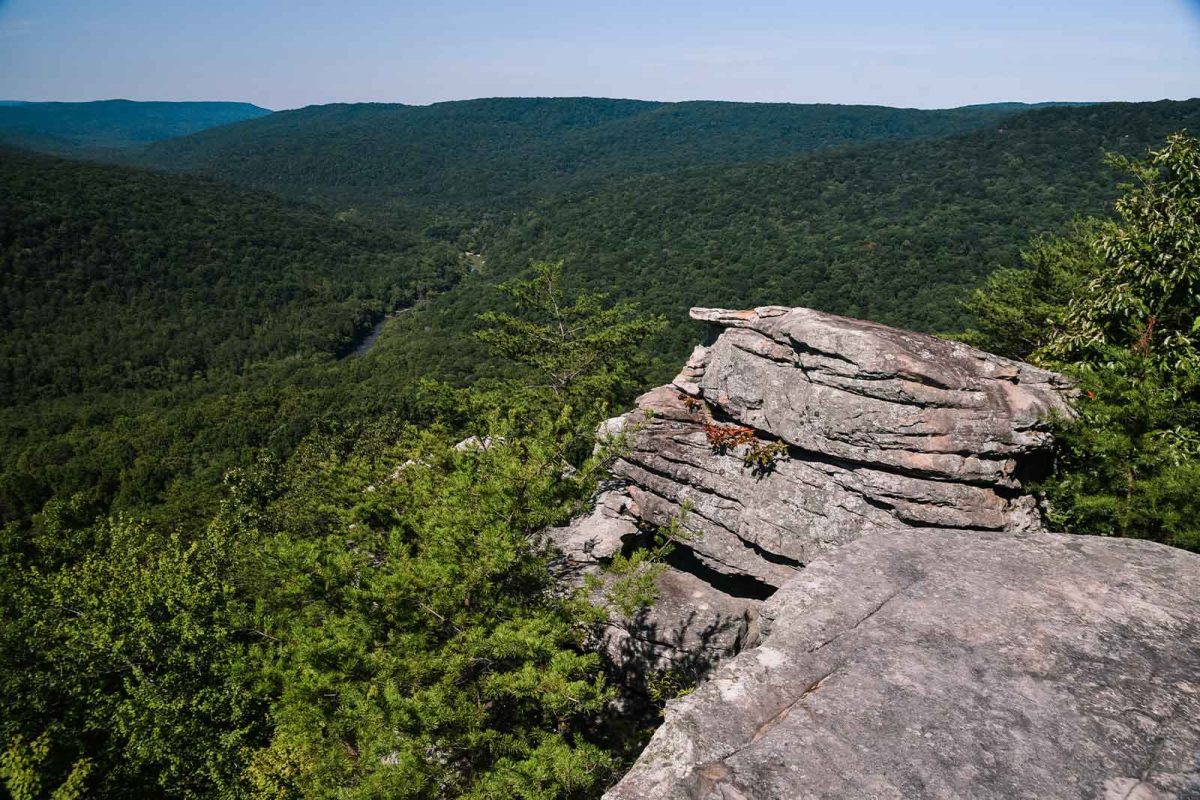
pixel 21 767
pixel 1130 464
pixel 579 348
pixel 418 644
pixel 427 651
pixel 128 659
pixel 1117 305
pixel 1146 299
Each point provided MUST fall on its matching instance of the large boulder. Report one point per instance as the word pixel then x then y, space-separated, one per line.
pixel 878 427
pixel 866 393
pixel 870 428
pixel 944 663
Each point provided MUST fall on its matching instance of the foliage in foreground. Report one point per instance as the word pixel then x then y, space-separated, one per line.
pixel 1117 305
pixel 372 618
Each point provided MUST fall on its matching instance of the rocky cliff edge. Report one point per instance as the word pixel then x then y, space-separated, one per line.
pixel 865 556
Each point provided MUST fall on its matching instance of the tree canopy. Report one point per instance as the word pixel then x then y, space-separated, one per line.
pixel 372 616
pixel 1116 303
pixel 239 562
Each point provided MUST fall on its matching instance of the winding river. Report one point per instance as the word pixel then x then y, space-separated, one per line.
pixel 368 341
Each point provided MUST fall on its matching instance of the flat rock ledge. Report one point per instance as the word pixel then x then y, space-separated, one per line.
pixel 949 663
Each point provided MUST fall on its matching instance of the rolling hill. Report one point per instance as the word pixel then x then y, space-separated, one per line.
pixel 115 278
pixel 157 330
pixel 508 151
pixel 166 310
pixel 75 128
pixel 896 232
pixel 221 536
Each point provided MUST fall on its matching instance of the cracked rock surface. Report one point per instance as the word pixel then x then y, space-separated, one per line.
pixel 944 663
pixel 892 620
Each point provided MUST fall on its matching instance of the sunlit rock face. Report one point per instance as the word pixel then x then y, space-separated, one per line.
pixel 881 428
pixel 942 663
pixel 867 585
pixel 871 428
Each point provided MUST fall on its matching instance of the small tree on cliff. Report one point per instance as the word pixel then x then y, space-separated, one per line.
pixel 1145 299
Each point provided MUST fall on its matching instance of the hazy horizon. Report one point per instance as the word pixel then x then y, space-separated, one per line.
pixel 279 55
pixel 34 101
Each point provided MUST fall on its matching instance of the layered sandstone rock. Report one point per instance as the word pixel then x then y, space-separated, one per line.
pixel 873 428
pixel 927 639
pixel 882 428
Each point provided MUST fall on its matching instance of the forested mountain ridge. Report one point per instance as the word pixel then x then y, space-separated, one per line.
pixel 82 128
pixel 896 232
pixel 501 151
pixel 120 280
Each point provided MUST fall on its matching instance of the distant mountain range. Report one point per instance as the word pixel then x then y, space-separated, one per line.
pixel 883 213
pixel 77 128
pixel 897 232
pixel 503 151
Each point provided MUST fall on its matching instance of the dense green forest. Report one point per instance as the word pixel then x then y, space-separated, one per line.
pixel 240 561
pixel 155 329
pixel 893 232
pixel 497 152
pixel 370 617
pixel 122 279
pixel 88 128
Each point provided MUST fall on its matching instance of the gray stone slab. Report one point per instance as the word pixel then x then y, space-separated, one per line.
pixel 941 663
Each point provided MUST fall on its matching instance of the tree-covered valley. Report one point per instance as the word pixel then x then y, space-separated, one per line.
pixel 125 279
pixel 897 232
pixel 242 559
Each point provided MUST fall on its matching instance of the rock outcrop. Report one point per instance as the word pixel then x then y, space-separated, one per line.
pixel 881 427
pixel 938 663
pixel 871 428
pixel 865 557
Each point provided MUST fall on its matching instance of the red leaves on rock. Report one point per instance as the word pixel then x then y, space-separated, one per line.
pixel 723 437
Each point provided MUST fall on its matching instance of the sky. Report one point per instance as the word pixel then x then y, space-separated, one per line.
pixel 291 53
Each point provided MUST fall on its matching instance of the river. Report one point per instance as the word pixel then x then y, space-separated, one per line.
pixel 368 341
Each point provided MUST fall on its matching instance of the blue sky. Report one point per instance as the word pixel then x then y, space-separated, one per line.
pixel 285 54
